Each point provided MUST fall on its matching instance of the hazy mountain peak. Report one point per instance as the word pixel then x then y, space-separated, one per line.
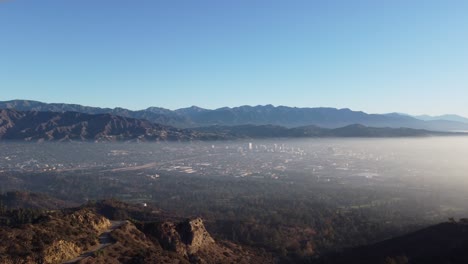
pixel 193 108
pixel 447 117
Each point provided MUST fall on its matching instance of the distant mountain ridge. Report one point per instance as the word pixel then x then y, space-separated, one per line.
pixel 249 115
pixel 322 117
pixel 356 130
pixel 74 126
pixel 455 118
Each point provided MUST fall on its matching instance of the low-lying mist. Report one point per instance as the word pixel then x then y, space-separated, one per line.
pixel 430 160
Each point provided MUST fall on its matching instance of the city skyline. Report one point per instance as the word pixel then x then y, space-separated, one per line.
pixel 376 57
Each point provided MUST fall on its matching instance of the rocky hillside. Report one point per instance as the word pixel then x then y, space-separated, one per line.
pixel 85 235
pixel 52 238
pixel 82 235
pixel 169 242
pixel 153 114
pixel 48 126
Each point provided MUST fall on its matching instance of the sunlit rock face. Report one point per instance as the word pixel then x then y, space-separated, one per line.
pixel 185 238
pixel 194 235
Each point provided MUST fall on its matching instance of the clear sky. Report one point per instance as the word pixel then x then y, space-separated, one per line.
pixel 372 55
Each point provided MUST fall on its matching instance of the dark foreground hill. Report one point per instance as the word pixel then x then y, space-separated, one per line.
pixel 35 201
pixel 442 243
pixel 249 115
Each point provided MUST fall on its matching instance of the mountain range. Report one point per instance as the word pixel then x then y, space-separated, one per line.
pixel 251 115
pixel 356 130
pixel 74 126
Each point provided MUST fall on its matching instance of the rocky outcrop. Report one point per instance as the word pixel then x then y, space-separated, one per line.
pixel 86 217
pixel 194 235
pixel 185 238
pixel 191 240
pixel 61 250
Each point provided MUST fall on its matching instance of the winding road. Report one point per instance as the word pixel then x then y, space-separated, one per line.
pixel 105 240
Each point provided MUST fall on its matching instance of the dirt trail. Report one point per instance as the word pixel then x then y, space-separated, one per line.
pixel 105 240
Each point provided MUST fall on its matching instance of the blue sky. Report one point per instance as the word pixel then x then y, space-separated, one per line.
pixel 375 56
